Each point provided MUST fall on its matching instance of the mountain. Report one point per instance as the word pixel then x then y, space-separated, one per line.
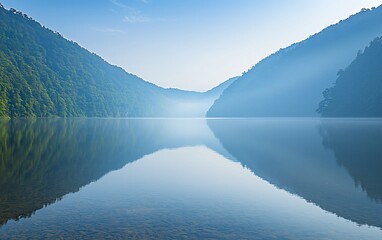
pixel 43 74
pixel 193 104
pixel 358 89
pixel 290 82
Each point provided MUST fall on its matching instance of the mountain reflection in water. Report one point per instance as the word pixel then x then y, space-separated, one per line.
pixel 334 164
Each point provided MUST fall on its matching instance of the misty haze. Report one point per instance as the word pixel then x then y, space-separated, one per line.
pixel 148 119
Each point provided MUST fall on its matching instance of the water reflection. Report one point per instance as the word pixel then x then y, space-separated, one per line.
pixel 334 164
pixel 290 154
pixel 185 193
pixel 357 145
pixel 42 160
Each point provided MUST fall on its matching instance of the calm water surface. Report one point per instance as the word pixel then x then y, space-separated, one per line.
pixel 191 179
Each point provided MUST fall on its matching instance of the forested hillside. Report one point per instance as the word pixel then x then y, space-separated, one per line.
pixel 358 89
pixel 290 82
pixel 43 74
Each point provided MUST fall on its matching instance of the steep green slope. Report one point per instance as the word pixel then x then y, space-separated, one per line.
pixel 358 89
pixel 290 82
pixel 43 74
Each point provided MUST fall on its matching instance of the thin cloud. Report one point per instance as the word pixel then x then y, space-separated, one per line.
pixel 132 15
pixel 121 5
pixel 136 19
pixel 125 6
pixel 109 30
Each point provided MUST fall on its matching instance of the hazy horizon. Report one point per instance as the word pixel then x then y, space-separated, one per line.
pixel 193 45
pixel 270 126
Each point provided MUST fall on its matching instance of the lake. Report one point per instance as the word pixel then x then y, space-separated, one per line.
pixel 191 179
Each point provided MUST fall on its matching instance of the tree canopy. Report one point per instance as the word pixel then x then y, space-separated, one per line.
pixel 357 91
pixel 43 74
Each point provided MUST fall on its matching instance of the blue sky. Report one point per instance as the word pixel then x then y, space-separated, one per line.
pixel 188 44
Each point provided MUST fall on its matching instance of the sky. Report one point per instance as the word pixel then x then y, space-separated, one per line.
pixel 187 44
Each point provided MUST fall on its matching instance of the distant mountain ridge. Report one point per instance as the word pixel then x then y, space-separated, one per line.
pixel 42 74
pixel 193 104
pixel 290 82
